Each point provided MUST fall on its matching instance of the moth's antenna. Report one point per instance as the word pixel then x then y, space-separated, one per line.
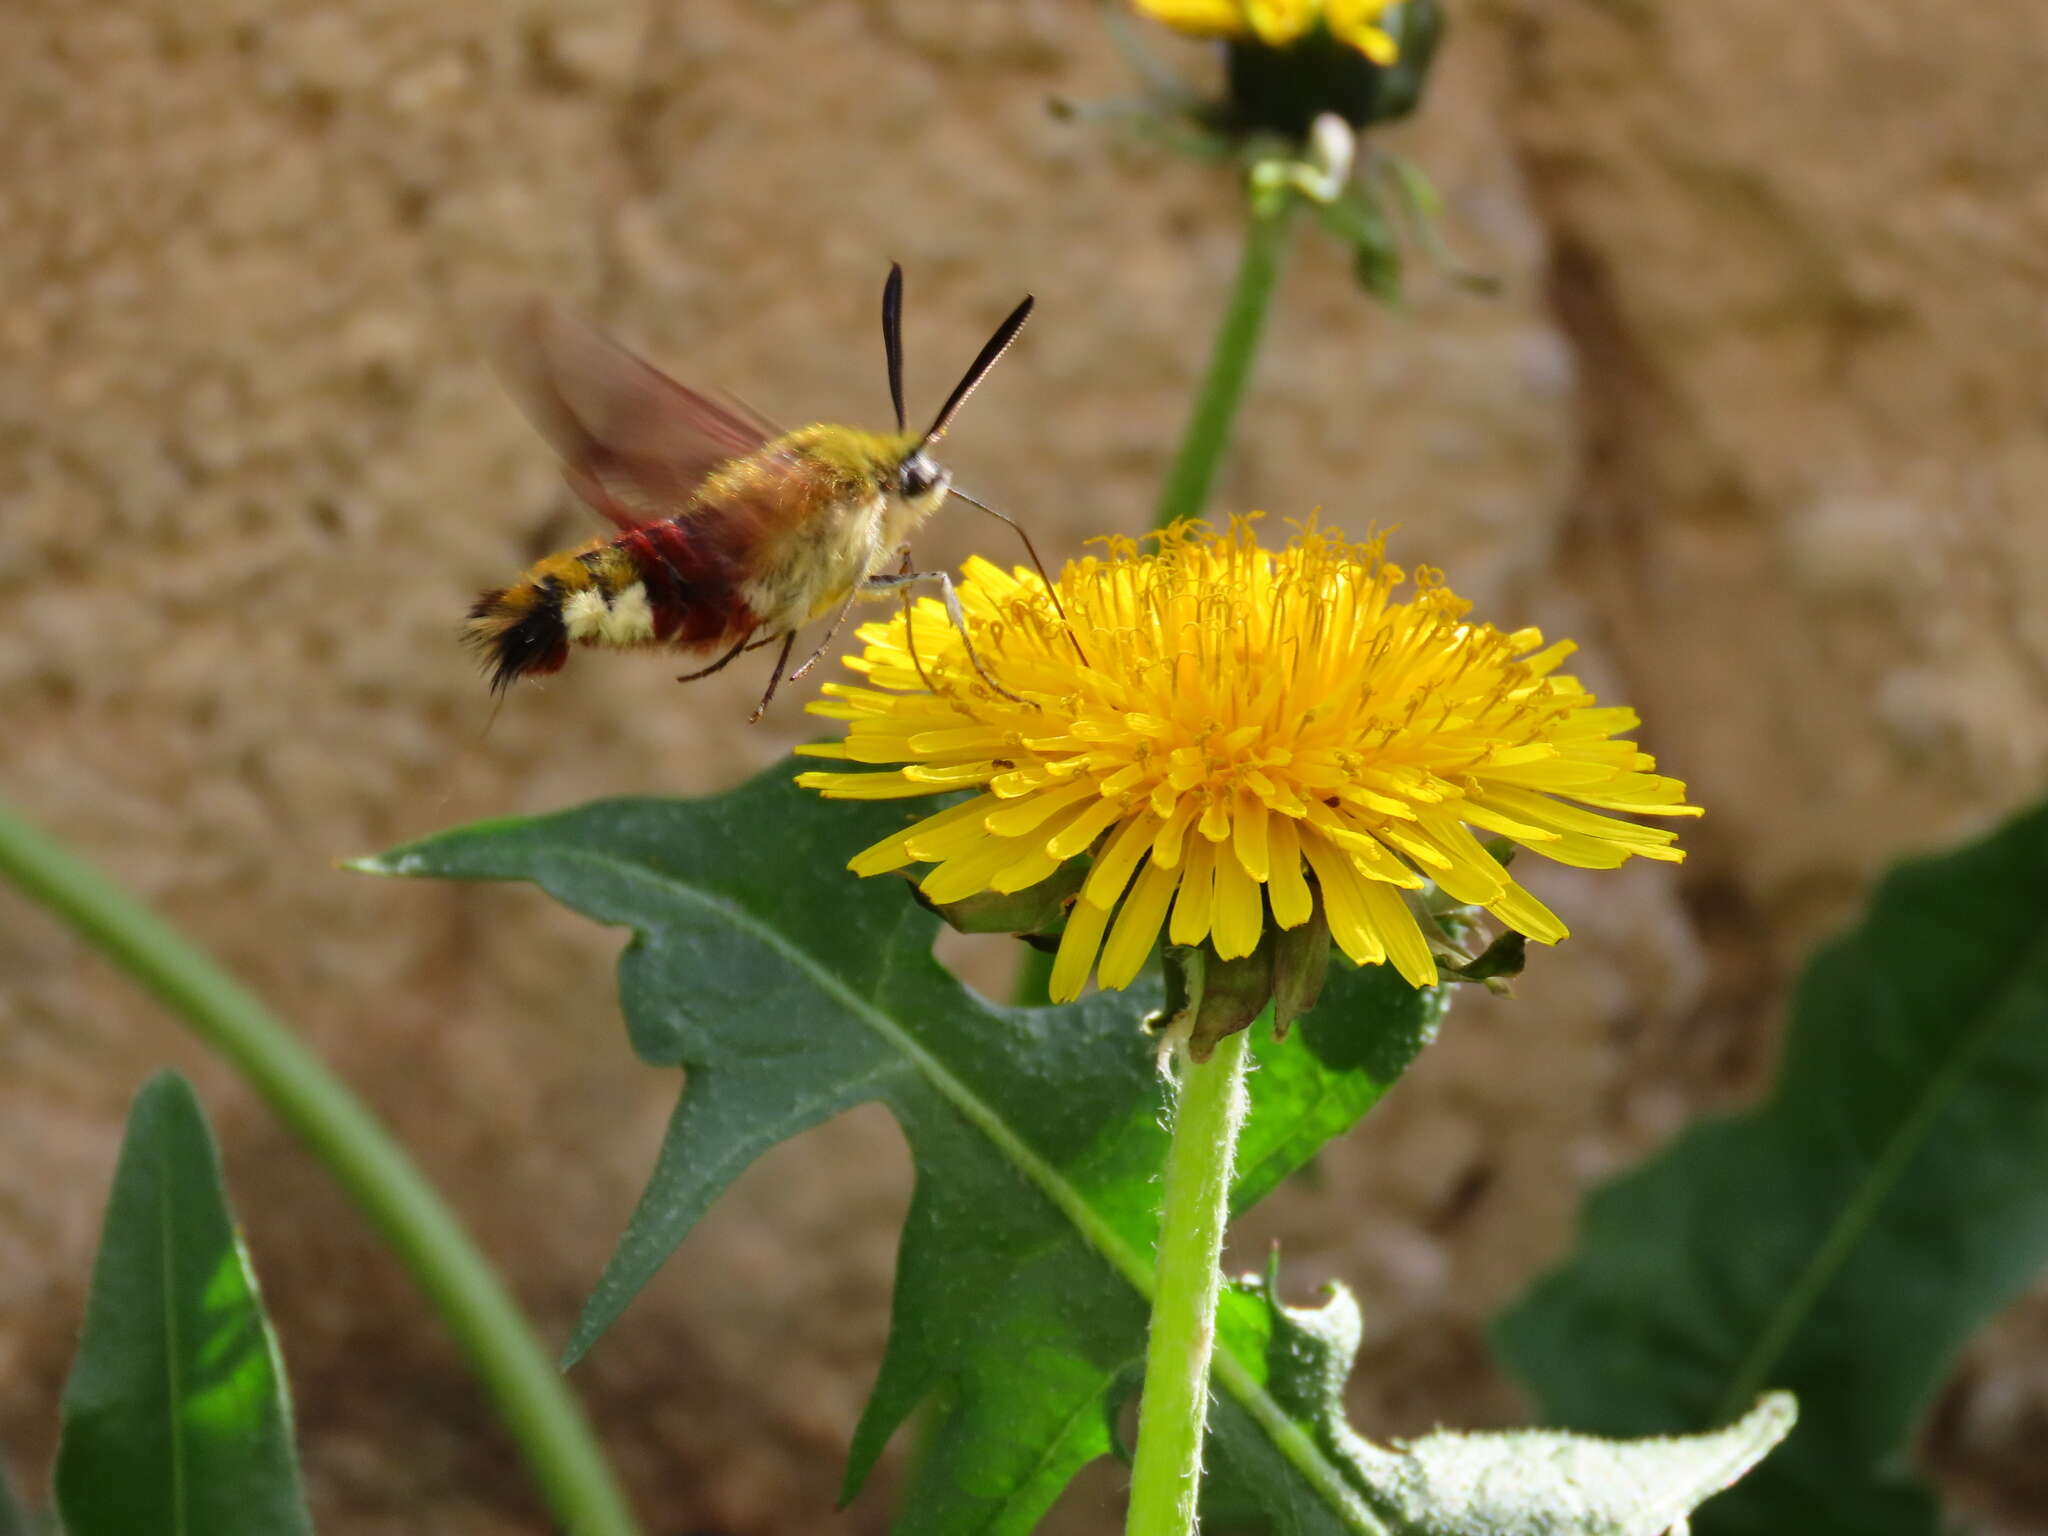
pixel 892 336
pixel 997 345
pixel 1037 564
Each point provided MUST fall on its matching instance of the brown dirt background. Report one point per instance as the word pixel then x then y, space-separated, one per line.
pixel 1757 419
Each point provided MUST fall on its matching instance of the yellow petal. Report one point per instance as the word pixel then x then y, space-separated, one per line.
pixel 1277 796
pixel 1548 660
pixel 1197 894
pixel 1018 782
pixel 1373 857
pixel 1485 814
pixel 951 776
pixel 1353 22
pixel 1562 817
pixel 1372 800
pixel 1112 871
pixel 1555 815
pixel 873 746
pixel 1344 905
pixel 1238 914
pixel 1472 875
pixel 959 738
pixel 1202 18
pixel 1583 852
pixel 894 852
pixel 1083 937
pixel 1528 916
pixel 1406 946
pixel 1422 850
pixel 1137 925
pixel 1080 833
pixel 1616 720
pixel 1022 816
pixel 1293 905
pixel 1034 865
pixel 863 786
pixel 966 873
pixel 1641 794
pixel 1556 775
pixel 1280 22
pixel 1166 846
pixel 1249 835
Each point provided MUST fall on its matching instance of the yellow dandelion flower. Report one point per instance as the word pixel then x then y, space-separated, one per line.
pixel 1234 734
pixel 1281 23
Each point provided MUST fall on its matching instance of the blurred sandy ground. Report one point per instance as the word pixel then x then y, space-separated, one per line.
pixel 1759 420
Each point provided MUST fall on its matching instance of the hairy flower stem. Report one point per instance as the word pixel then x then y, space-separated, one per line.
pixel 1166 1474
pixel 1207 436
pixel 535 1405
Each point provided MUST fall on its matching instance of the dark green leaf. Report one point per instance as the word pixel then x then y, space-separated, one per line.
pixel 790 991
pixel 1323 1078
pixel 1525 1483
pixel 175 1417
pixel 1844 1238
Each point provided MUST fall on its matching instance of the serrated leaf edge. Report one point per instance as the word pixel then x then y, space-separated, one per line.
pixel 1299 1450
pixel 972 1107
pixel 1297 1447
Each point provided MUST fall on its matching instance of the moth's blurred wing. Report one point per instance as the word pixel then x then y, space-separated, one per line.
pixel 634 443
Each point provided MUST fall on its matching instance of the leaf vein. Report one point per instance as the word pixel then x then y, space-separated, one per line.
pixel 1859 1214
pixel 1235 1374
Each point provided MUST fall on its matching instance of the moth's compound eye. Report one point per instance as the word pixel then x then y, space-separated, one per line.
pixel 917 476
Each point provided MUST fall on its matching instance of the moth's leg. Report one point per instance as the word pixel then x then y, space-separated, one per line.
pixel 903 580
pixel 775 677
pixel 838 619
pixel 904 568
pixel 910 639
pixel 719 665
